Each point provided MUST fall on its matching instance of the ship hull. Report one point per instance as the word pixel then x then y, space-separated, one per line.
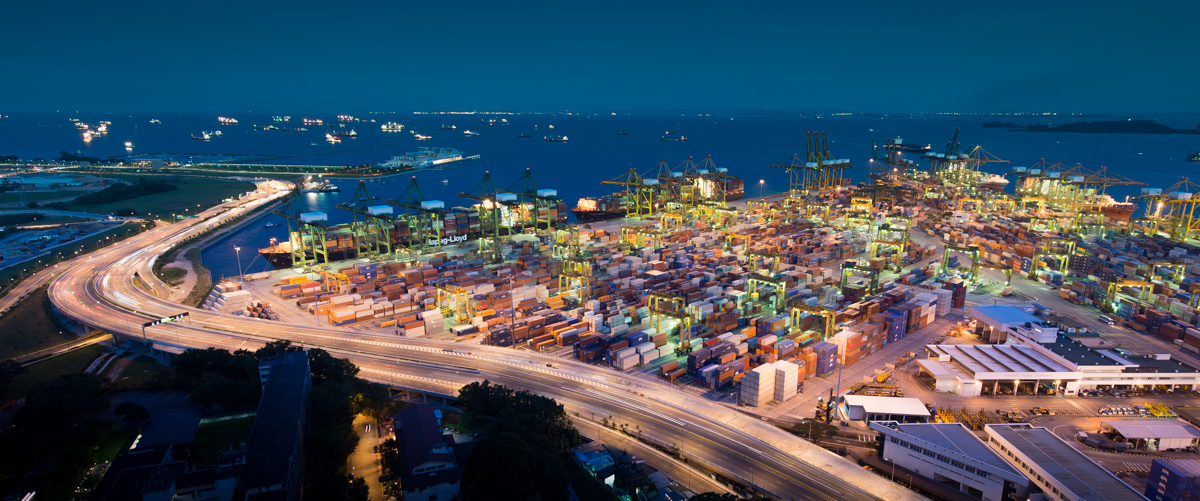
pixel 591 216
pixel 1118 213
pixel 281 259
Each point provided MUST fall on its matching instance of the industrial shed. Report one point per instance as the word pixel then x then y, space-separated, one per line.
pixel 869 408
pixel 1154 434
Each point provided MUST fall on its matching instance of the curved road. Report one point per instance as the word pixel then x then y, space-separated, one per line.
pixel 100 290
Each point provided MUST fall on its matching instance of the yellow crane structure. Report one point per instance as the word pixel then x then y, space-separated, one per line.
pixel 827 318
pixel 641 236
pixel 776 287
pixel 1173 211
pixel 1061 248
pixel 308 235
pixel 454 303
pixel 641 194
pixel 712 180
pixel 828 171
pixel 566 242
pixel 893 233
pixel 665 306
pixel 575 278
pixel 797 169
pixel 772 258
pixel 372 234
pixel 1110 298
pixel 424 216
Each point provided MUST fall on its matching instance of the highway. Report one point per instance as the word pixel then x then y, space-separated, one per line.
pixel 100 290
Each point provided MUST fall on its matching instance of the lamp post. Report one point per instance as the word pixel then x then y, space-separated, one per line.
pixel 238 250
pixel 760 187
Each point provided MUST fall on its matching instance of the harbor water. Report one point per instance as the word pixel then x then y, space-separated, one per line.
pixel 744 143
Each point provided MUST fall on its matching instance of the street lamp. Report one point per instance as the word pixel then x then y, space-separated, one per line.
pixel 760 187
pixel 238 250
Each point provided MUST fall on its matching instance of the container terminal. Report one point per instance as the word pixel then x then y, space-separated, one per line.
pixel 874 296
pixel 697 290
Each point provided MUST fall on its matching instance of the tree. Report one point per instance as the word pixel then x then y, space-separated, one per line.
pixel 50 405
pixel 270 349
pixel 358 491
pixel 325 367
pixel 133 412
pixel 502 468
pixel 228 393
pixel 538 420
pixel 9 370
pixel 815 429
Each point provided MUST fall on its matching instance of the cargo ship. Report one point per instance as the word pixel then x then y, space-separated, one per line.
pixel 392 127
pixel 680 138
pixel 227 120
pixel 284 118
pixel 555 139
pixel 1193 157
pixel 425 156
pixel 313 121
pixel 457 225
pixel 339 133
pixel 898 145
pixel 590 209
pixel 994 182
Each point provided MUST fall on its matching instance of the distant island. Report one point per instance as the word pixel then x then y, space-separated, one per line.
pixel 1111 127
pixel 1001 125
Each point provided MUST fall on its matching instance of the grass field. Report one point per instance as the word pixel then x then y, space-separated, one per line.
pixel 116 233
pixel 212 438
pixel 141 370
pixel 27 327
pixel 38 196
pixel 192 192
pixel 114 443
pixel 172 276
pixel 52 368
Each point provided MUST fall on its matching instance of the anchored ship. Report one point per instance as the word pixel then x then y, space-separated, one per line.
pixel 994 182
pixel 425 156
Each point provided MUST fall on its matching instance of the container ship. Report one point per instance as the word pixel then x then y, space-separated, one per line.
pixel 898 145
pixel 589 209
pixel 458 225
pixel 392 127
pixel 341 133
pixel 994 182
pixel 1193 157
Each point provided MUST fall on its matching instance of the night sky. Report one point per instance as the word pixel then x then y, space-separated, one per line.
pixel 613 55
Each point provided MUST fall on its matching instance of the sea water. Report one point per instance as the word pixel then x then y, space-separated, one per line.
pixel 743 142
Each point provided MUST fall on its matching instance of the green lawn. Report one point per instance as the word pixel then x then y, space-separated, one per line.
pixel 192 192
pixel 115 443
pixel 212 438
pixel 172 275
pixel 51 368
pixel 29 328
pixel 140 371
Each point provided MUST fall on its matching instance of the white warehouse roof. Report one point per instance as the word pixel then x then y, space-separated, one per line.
pixel 897 406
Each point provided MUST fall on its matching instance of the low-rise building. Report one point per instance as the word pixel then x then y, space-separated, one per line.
pixel 872 408
pixel 1056 468
pixel 1153 434
pixel 951 455
pixel 432 460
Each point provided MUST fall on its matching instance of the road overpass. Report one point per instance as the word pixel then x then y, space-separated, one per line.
pixel 99 289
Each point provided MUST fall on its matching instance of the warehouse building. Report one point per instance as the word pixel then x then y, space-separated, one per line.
pixel 1059 470
pixel 1036 365
pixel 952 456
pixel 1153 434
pixel 994 322
pixel 870 408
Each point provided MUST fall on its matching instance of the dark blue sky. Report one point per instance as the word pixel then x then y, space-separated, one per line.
pixel 612 55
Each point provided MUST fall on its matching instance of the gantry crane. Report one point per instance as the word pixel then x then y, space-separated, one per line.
pixel 669 306
pixel 641 194
pixel 542 200
pixel 777 287
pixel 772 258
pixel 497 215
pixel 827 318
pixel 971 250
pixel 425 217
pixel 372 235
pixel 713 180
pixel 1110 297
pixel 850 268
pixel 827 173
pixel 308 236
pixel 893 233
pixel 1173 211
pixel 1044 250
pixel 797 169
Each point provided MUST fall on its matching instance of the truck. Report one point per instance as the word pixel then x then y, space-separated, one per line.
pixel 1043 310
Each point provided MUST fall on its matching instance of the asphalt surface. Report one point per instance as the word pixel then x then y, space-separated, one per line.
pixel 101 291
